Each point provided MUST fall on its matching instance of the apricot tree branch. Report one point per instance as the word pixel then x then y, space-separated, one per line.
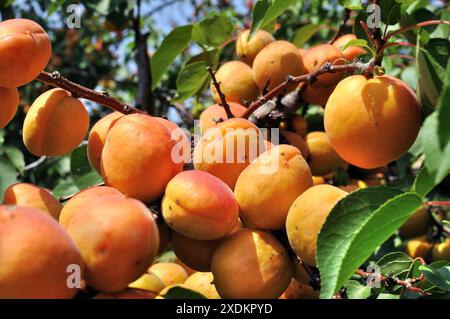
pixel 341 28
pixel 414 26
pixel 310 78
pixel 223 100
pixel 56 79
pixel 36 163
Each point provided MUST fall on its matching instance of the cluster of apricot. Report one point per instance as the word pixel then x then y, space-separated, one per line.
pixel 219 218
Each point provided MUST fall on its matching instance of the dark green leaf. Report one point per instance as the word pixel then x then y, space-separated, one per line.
pixel 395 263
pixel 440 277
pixel 270 14
pixel 8 176
pixel 259 11
pixel 65 188
pixel 15 156
pixel 354 290
pixel 83 174
pixel 213 31
pixel 191 79
pixel 183 293
pixel 390 11
pixel 388 296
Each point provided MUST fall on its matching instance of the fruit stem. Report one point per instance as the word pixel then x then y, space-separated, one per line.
pixel 79 91
pixel 414 26
pixel 223 100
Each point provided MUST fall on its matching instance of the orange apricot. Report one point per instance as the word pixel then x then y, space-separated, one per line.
pixel 169 273
pixel 10 102
pixel 441 251
pixel 298 290
pixel 349 53
pixel 203 282
pixel 320 54
pixel 417 224
pixel 148 282
pixel 25 49
pixel 297 141
pixel 299 125
pixel 322 158
pixel 381 124
pixel 55 124
pixel 247 50
pixel 419 247
pixel 199 205
pixel 182 148
pixel 215 114
pixel 318 94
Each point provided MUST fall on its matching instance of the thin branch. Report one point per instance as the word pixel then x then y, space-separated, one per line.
pixel 36 163
pixel 341 28
pixel 414 26
pixel 220 93
pixel 309 77
pixel 79 91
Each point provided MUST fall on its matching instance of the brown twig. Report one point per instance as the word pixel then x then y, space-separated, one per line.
pixel 309 77
pixel 79 91
pixel 220 93
pixel 341 28
pixel 414 26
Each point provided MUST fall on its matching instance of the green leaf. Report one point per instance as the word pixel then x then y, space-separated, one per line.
pixel 271 12
pixel 65 188
pixel 440 277
pixel 213 31
pixel 424 182
pixel 354 290
pixel 396 263
pixel 390 11
pixel 355 227
pixel 15 156
pixel 191 79
pixel 351 4
pixel 259 11
pixel 2 136
pixel 358 43
pixel 388 296
pixel 173 44
pixel 183 293
pixel 83 174
pixel 8 176
pixel 303 34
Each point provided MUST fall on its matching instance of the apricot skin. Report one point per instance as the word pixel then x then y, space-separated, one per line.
pixel 306 217
pixel 32 196
pixel 97 138
pixel 297 141
pixel 34 255
pixel 419 247
pixel 251 264
pixel 217 112
pixel 441 251
pixel 236 83
pixel 417 224
pixel 349 53
pixel 247 50
pixel 320 54
pixel 147 174
pixel 55 124
pixel 265 197
pixel 298 290
pixel 203 282
pixel 81 199
pixel 25 49
pixel 148 282
pixel 381 125
pixel 275 62
pixel 169 273
pixel 9 98
pixel 240 133
pixel 323 159
pixel 182 148
pixel 318 94
pixel 104 232
pixel 299 125
pixel 199 205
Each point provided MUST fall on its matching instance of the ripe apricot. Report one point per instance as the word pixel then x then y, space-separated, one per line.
pixel 97 138
pixel 55 124
pixel 323 159
pixel 349 53
pixel 298 290
pixel 203 282
pixel 29 195
pixel 215 114
pixel 169 273
pixel 81 199
pixel 118 240
pixel 137 159
pixel 236 83
pixel 306 217
pixel 441 251
pixel 381 124
pixel 317 180
pixel 182 149
pixel 320 54
pixel 251 264
pixel 247 50
pixel 417 224
pixel 268 186
pixel 299 125
pixel 35 253
pixel 127 294
pixel 419 247
pixel 25 49
pixel 318 94
pixel 10 102
pixel 225 151
pixel 164 237
pixel 297 141
pixel 194 253
pixel 199 205
pixel 275 62
pixel 148 282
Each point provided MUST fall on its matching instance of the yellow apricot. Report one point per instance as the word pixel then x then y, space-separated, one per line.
pixel 97 138
pixel 137 159
pixel 169 273
pixel 417 224
pixel 320 54
pixel 118 240
pixel 297 141
pixel 9 98
pixel 269 185
pixel 182 148
pixel 32 196
pixel 322 159
pixel 299 125
pixel 275 62
pixel 148 282
pixel 298 290
pixel 349 53
pixel 81 199
pixel 236 83
pixel 306 217
pixel 215 114
pixel 247 50
pixel 203 282
pixel 55 124
pixel 318 94
pixel 441 251
pixel 226 150
pixel 199 205
pixel 35 253
pixel 381 124
pixel 25 49
pixel 419 247
pixel 251 264
pixel 317 180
